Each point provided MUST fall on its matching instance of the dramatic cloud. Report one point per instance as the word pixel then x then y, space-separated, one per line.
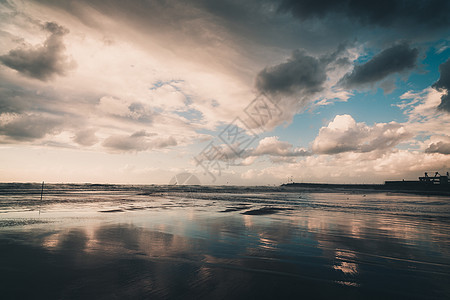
pixel 186 69
pixel 300 74
pixel 429 13
pixel 343 134
pixel 138 141
pixel 396 59
pixel 28 127
pixel 41 62
pixel 301 81
pixel 443 84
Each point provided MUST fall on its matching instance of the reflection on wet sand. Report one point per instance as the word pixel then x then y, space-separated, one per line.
pixel 260 258
pixel 209 250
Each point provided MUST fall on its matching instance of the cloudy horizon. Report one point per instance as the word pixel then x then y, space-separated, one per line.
pixel 140 91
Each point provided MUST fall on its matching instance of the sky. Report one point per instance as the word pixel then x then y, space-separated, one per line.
pixel 256 92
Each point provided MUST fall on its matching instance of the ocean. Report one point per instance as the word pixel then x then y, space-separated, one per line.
pixel 85 241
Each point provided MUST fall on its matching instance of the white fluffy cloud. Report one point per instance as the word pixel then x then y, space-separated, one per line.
pixel 344 134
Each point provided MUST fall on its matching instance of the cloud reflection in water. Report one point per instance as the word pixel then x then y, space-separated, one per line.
pixel 200 251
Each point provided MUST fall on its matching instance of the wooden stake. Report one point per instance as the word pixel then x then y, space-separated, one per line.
pixel 42 189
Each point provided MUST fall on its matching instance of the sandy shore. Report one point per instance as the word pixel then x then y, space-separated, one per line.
pixel 129 245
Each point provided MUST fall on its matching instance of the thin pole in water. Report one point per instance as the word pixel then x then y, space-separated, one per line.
pixel 42 189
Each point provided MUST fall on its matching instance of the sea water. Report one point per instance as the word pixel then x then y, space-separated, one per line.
pixel 84 241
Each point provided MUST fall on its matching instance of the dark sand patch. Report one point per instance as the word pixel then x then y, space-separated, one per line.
pixel 111 210
pixel 264 211
pixel 236 208
pixel 135 208
pixel 22 222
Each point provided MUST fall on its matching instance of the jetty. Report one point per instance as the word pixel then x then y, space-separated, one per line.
pixel 433 185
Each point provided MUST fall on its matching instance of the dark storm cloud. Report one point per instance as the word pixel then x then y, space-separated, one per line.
pixel 426 13
pixel 251 25
pixel 245 25
pixel 41 62
pixel 393 60
pixel 30 127
pixel 301 73
pixel 443 84
pixel 324 23
pixel 439 147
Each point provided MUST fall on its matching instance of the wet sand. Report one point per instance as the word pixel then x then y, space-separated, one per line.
pixel 159 243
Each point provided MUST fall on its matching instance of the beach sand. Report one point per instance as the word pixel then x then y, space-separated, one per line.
pixel 124 242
